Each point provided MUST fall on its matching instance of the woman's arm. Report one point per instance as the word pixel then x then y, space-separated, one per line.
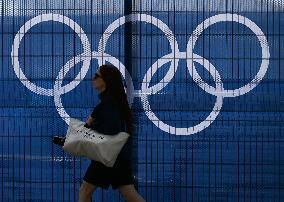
pixel 91 118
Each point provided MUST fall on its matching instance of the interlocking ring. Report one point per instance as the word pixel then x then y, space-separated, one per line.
pixel 145 90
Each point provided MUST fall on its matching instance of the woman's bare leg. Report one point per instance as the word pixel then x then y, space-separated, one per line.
pixel 130 194
pixel 86 192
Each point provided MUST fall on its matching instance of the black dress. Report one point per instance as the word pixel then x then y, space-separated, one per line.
pixel 108 120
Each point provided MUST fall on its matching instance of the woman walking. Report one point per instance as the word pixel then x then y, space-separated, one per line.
pixel 111 116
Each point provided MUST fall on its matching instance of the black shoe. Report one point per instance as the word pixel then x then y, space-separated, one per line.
pixel 58 140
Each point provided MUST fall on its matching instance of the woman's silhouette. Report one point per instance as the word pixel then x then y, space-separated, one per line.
pixel 110 116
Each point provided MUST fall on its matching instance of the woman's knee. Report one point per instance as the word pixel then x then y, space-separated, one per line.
pixel 87 188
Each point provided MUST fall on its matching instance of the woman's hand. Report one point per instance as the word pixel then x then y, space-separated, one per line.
pixel 90 121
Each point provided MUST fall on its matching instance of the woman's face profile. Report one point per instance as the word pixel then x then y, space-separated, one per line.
pixel 98 82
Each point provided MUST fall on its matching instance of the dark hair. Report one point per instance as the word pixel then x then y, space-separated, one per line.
pixel 114 85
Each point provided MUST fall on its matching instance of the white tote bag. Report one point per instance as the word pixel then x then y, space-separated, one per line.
pixel 86 142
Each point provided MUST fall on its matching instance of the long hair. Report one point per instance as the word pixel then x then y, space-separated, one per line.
pixel 114 86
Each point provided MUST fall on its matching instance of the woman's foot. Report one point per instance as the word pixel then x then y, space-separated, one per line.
pixel 58 140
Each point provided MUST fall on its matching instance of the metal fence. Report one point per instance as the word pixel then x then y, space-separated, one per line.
pixel 204 80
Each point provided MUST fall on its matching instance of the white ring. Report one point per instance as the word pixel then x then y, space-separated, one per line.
pixel 194 129
pixel 85 56
pixel 224 18
pixel 154 21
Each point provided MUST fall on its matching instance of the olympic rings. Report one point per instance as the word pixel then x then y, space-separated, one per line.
pixel 172 57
